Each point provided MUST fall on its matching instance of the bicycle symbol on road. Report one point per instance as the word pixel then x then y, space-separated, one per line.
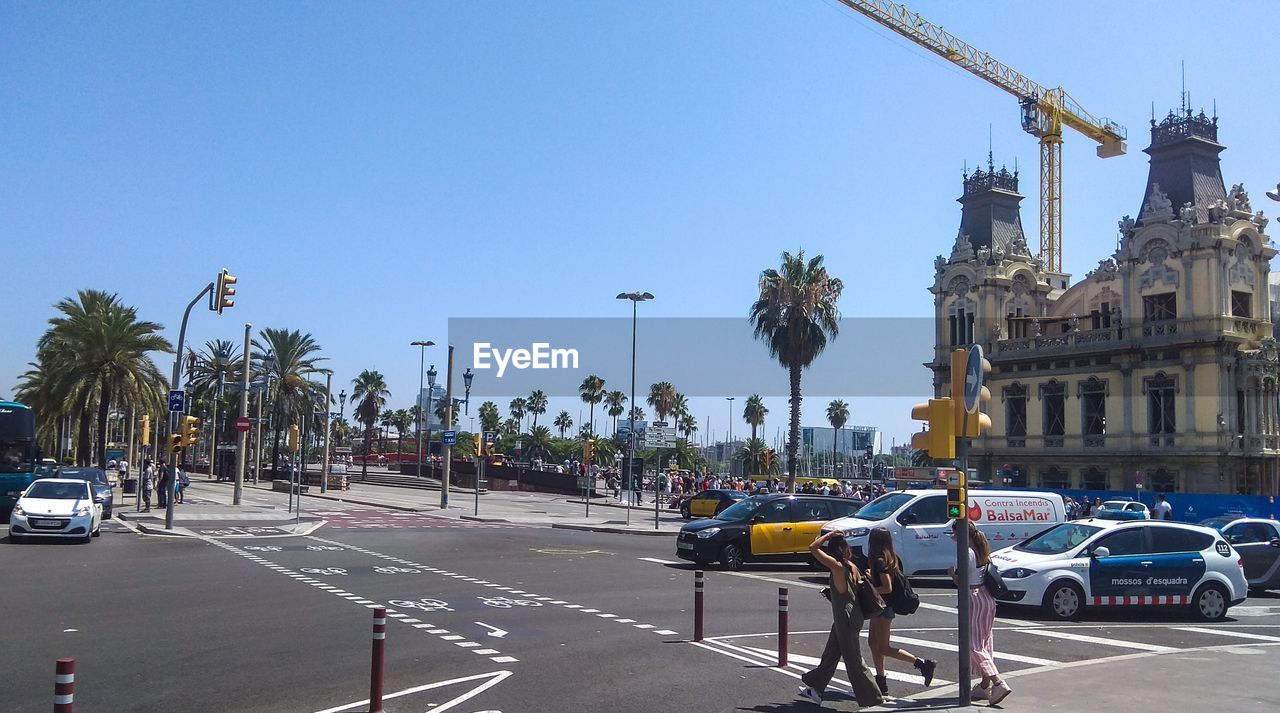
pixel 325 571
pixel 323 548
pixel 507 602
pixel 428 605
pixel 263 548
pixel 394 570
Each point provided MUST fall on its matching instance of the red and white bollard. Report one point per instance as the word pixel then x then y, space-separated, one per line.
pixel 375 672
pixel 697 604
pixel 64 686
pixel 782 627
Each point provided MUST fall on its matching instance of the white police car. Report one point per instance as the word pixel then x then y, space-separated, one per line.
pixel 1109 562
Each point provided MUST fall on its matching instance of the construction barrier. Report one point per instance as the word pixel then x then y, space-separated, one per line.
pixel 697 604
pixel 375 671
pixel 64 686
pixel 782 627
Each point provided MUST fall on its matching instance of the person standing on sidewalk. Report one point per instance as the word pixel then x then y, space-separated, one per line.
pixel 885 568
pixel 164 486
pixel 832 551
pixel 982 619
pixel 146 476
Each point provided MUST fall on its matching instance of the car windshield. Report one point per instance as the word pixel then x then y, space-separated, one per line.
pixel 1059 539
pixel 883 506
pixel 93 475
pixel 46 490
pixel 740 510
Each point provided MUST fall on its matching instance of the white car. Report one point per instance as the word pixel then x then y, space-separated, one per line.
pixel 1129 506
pixel 1114 562
pixel 56 507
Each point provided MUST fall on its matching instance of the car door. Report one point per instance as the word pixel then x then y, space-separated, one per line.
pixel 810 515
pixel 925 546
pixel 1253 541
pixel 1120 573
pixel 1177 563
pixel 771 528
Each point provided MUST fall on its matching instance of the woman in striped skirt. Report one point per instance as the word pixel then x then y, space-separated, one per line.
pixel 982 619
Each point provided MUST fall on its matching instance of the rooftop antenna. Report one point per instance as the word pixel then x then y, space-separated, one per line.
pixel 1186 105
pixel 991 164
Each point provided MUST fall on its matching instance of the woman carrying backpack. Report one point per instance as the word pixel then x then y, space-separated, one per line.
pixel 886 574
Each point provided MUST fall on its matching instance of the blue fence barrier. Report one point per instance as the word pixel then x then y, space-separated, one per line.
pixel 1192 507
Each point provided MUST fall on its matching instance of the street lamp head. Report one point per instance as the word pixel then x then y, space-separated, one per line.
pixel 431 376
pixel 467 376
pixel 635 296
pixel 422 344
pixel 1274 194
pixel 342 396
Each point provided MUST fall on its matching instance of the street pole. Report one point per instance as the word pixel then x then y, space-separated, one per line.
pixel 448 425
pixel 257 430
pixel 328 433
pixel 174 416
pixel 422 365
pixel 729 445
pixel 962 570
pixel 631 439
pixel 243 451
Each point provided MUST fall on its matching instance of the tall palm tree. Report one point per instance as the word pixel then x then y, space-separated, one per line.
pixel 688 425
pixel 517 407
pixel 100 350
pixel 592 392
pixel 402 421
pixel 214 366
pixel 490 419
pixel 539 442
pixel 637 413
pixel 385 420
pixel 754 412
pixel 662 398
pixel 290 358
pixel 752 454
pixel 795 316
pixel 536 405
pixel 837 416
pixel 369 393
pixel 562 422
pixel 511 427
pixel 617 403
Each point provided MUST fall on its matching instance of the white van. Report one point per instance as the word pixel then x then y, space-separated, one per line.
pixel 920 527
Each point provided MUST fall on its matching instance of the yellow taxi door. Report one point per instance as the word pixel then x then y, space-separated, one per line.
pixel 703 505
pixel 772 527
pixel 810 515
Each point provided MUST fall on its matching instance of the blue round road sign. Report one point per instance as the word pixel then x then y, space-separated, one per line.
pixel 973 379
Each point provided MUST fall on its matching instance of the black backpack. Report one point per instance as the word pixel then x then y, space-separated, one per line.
pixel 905 599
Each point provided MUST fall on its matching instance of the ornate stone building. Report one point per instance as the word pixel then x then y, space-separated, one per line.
pixel 1159 368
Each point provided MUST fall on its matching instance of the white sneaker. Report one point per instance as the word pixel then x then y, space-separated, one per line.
pixel 811 695
pixel 999 692
pixel 980 694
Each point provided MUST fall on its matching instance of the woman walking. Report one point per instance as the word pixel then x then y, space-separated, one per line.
pixel 982 617
pixel 885 567
pixel 842 642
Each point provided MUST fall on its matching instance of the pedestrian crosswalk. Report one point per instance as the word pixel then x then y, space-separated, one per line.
pixel 390 519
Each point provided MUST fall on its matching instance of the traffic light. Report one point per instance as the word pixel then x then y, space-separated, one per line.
pixel 190 430
pixel 978 421
pixel 766 460
pixel 175 442
pixel 144 425
pixel 293 437
pixel 477 446
pixel 957 496
pixel 940 440
pixel 588 450
pixel 224 291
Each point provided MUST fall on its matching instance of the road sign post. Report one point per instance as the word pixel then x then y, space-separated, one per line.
pixel 243 424
pixel 449 438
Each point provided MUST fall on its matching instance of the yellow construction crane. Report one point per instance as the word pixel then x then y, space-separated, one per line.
pixel 1044 111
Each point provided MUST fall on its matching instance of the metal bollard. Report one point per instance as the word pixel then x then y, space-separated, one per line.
pixel 697 605
pixel 782 627
pixel 64 686
pixel 375 672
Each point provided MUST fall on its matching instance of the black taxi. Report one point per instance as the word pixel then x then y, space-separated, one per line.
pixel 767 528
pixel 709 503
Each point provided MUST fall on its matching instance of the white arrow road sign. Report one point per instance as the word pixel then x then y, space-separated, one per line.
pixel 496 631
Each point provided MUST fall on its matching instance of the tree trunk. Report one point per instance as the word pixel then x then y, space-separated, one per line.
pixel 834 442
pixel 368 436
pixel 793 440
pixel 82 439
pixel 104 407
pixel 753 431
pixel 591 418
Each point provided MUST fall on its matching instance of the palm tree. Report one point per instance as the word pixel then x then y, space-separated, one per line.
pixel 562 422
pixel 754 412
pixel 592 392
pixel 752 454
pixel 385 419
pixel 795 316
pixel 211 369
pixel 688 425
pixel 98 349
pixel 837 416
pixel 341 431
pixel 637 413
pixel 402 421
pixel 617 403
pixel 369 393
pixel 662 397
pixel 539 442
pixel 290 359
pixel 490 419
pixel 536 405
pixel 511 427
pixel 518 406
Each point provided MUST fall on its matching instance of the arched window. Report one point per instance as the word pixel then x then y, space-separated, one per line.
pixel 961 315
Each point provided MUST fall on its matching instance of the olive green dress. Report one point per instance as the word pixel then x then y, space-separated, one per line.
pixel 843 642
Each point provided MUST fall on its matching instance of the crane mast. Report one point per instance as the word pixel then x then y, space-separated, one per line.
pixel 1044 111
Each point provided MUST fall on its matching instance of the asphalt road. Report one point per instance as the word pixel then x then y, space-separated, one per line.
pixel 587 622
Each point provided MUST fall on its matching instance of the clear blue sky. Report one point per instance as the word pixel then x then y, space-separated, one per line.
pixel 370 169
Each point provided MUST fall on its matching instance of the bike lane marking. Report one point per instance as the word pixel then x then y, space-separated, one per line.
pixel 443 634
pixel 534 598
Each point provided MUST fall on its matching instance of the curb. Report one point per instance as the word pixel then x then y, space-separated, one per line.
pixel 473 518
pixel 613 530
pixel 370 503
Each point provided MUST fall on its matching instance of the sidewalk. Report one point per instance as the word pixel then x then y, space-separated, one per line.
pixel 211 506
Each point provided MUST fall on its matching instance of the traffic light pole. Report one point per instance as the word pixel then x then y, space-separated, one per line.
pixel 174 415
pixel 243 452
pixel 448 426
pixel 963 614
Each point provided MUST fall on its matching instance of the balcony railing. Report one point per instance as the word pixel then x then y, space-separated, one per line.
pixel 1158 331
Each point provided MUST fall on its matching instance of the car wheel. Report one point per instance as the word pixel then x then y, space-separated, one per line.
pixel 1210 602
pixel 731 557
pixel 684 512
pixel 97 531
pixel 1063 601
pixel 107 515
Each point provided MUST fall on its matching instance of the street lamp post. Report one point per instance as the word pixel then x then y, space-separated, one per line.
pixel 422 360
pixel 729 445
pixel 636 298
pixel 467 376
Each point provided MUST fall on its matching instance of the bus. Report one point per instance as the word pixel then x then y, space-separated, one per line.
pixel 19 457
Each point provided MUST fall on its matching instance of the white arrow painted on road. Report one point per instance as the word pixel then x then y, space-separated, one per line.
pixel 496 631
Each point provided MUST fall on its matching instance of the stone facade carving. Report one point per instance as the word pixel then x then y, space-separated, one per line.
pixel 1156 251
pixel 1157 274
pixel 1238 199
pixel 1159 209
pixel 963 248
pixel 1018 247
pixel 1107 270
pixel 1187 214
pixel 1243 272
pixel 1021 285
pixel 959 286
